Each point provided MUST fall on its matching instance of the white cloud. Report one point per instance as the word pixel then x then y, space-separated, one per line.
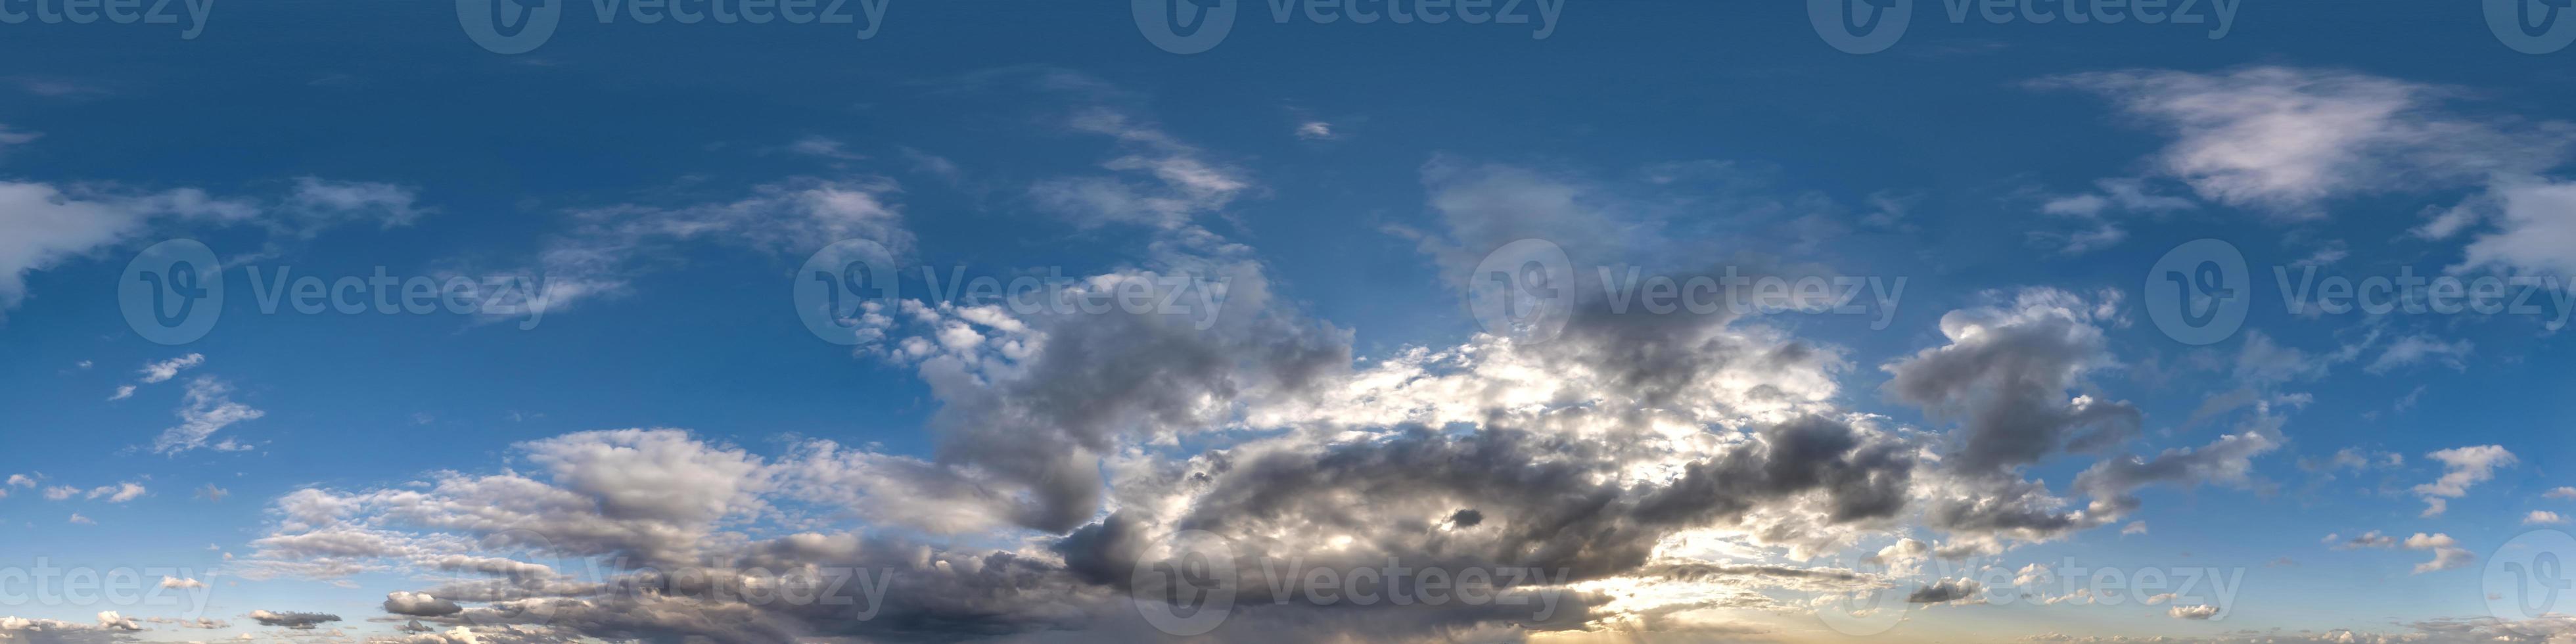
pixel 2192 612
pixel 118 493
pixel 1316 131
pixel 208 408
pixel 2535 230
pixel 2287 139
pixel 77 519
pixel 2462 467
pixel 167 369
pixel 2447 553
pixel 2543 517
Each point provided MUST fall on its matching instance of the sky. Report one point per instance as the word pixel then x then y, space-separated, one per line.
pixel 735 321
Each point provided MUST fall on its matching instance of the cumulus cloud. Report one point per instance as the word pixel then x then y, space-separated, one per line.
pixel 2447 553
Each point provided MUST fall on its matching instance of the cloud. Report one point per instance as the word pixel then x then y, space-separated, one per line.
pixel 2561 492
pixel 1944 591
pixel 77 519
pixel 2192 612
pixel 208 408
pixel 419 605
pixel 292 620
pixel 1316 131
pixel 167 369
pixel 2543 517
pixel 118 493
pixel 2535 221
pixel 610 247
pixel 2446 552
pixel 2371 539
pixel 2286 139
pixel 2462 467
pixel 2416 349
pixel 50 224
pixel 178 583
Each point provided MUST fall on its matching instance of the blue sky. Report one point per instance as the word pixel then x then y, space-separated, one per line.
pixel 646 388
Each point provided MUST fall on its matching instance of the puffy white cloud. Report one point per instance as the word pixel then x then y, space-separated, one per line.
pixel 2447 553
